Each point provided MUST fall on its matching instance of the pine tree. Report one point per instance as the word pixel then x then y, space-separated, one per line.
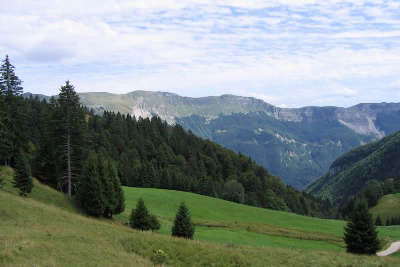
pixel 360 233
pixel 72 124
pixel 23 176
pixel 378 221
pixel 10 84
pixel 89 194
pixel 183 226
pixel 13 135
pixel 140 217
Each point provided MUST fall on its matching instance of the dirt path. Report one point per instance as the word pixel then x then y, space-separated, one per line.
pixel 394 247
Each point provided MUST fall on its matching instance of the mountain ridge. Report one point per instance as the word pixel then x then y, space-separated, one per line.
pixel 297 144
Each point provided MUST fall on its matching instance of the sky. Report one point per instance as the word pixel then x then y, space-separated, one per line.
pixel 290 53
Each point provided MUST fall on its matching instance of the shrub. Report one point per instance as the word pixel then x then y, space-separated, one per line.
pixel 141 219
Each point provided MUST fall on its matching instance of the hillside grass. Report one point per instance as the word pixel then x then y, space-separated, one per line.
pixel 231 223
pixel 45 229
pixel 387 207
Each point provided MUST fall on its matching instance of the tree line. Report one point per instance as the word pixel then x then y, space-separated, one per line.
pixel 66 145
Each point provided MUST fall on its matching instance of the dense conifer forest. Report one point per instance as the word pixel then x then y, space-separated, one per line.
pixel 58 136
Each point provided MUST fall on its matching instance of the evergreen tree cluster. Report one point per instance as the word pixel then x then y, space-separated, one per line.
pixel 14 145
pixel 393 221
pixel 99 192
pixel 57 135
pixel 371 192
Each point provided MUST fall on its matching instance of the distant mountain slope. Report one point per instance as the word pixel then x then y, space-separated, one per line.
pixel 349 173
pixel 297 144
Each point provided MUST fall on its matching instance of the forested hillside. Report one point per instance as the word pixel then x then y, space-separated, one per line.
pixel 296 144
pixel 58 135
pixel 372 166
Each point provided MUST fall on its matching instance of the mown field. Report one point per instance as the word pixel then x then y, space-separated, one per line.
pixel 46 229
pixel 387 207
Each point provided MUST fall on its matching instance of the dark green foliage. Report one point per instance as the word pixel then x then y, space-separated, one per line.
pixel 10 84
pixel 233 191
pixel 183 226
pixel 154 223
pixel 393 221
pixel 13 120
pixel 378 221
pixel 90 191
pixel 118 201
pixel 141 219
pixel 71 126
pixel 23 176
pixel 350 173
pixel 372 192
pixel 360 233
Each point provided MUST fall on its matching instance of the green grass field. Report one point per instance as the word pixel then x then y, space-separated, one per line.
pixel 231 223
pixel 388 207
pixel 46 229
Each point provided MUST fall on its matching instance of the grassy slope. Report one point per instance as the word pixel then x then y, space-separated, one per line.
pixel 226 222
pixel 45 229
pixel 388 207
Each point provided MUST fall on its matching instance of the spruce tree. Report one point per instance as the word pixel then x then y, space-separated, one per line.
pixel 10 84
pixel 71 125
pixel 118 194
pixel 23 176
pixel 13 117
pixel 140 217
pixel 360 233
pixel 183 226
pixel 89 194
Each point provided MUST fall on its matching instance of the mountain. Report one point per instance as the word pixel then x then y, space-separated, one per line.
pixel 306 140
pixel 297 144
pixel 349 173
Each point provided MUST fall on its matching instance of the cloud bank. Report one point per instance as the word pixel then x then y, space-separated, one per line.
pixel 289 53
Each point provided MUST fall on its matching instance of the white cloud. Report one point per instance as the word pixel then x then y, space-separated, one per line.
pixel 206 47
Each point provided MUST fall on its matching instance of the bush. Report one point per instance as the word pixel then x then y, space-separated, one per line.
pixel 154 223
pixel 141 219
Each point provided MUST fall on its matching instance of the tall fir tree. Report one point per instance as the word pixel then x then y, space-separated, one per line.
pixel 183 226
pixel 72 126
pixel 360 233
pixel 13 114
pixel 23 176
pixel 10 84
pixel 89 194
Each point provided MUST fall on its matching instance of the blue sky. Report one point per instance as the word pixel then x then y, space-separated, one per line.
pixel 289 53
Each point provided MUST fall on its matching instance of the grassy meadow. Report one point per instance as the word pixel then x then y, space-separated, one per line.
pixel 46 229
pixel 231 223
pixel 387 207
